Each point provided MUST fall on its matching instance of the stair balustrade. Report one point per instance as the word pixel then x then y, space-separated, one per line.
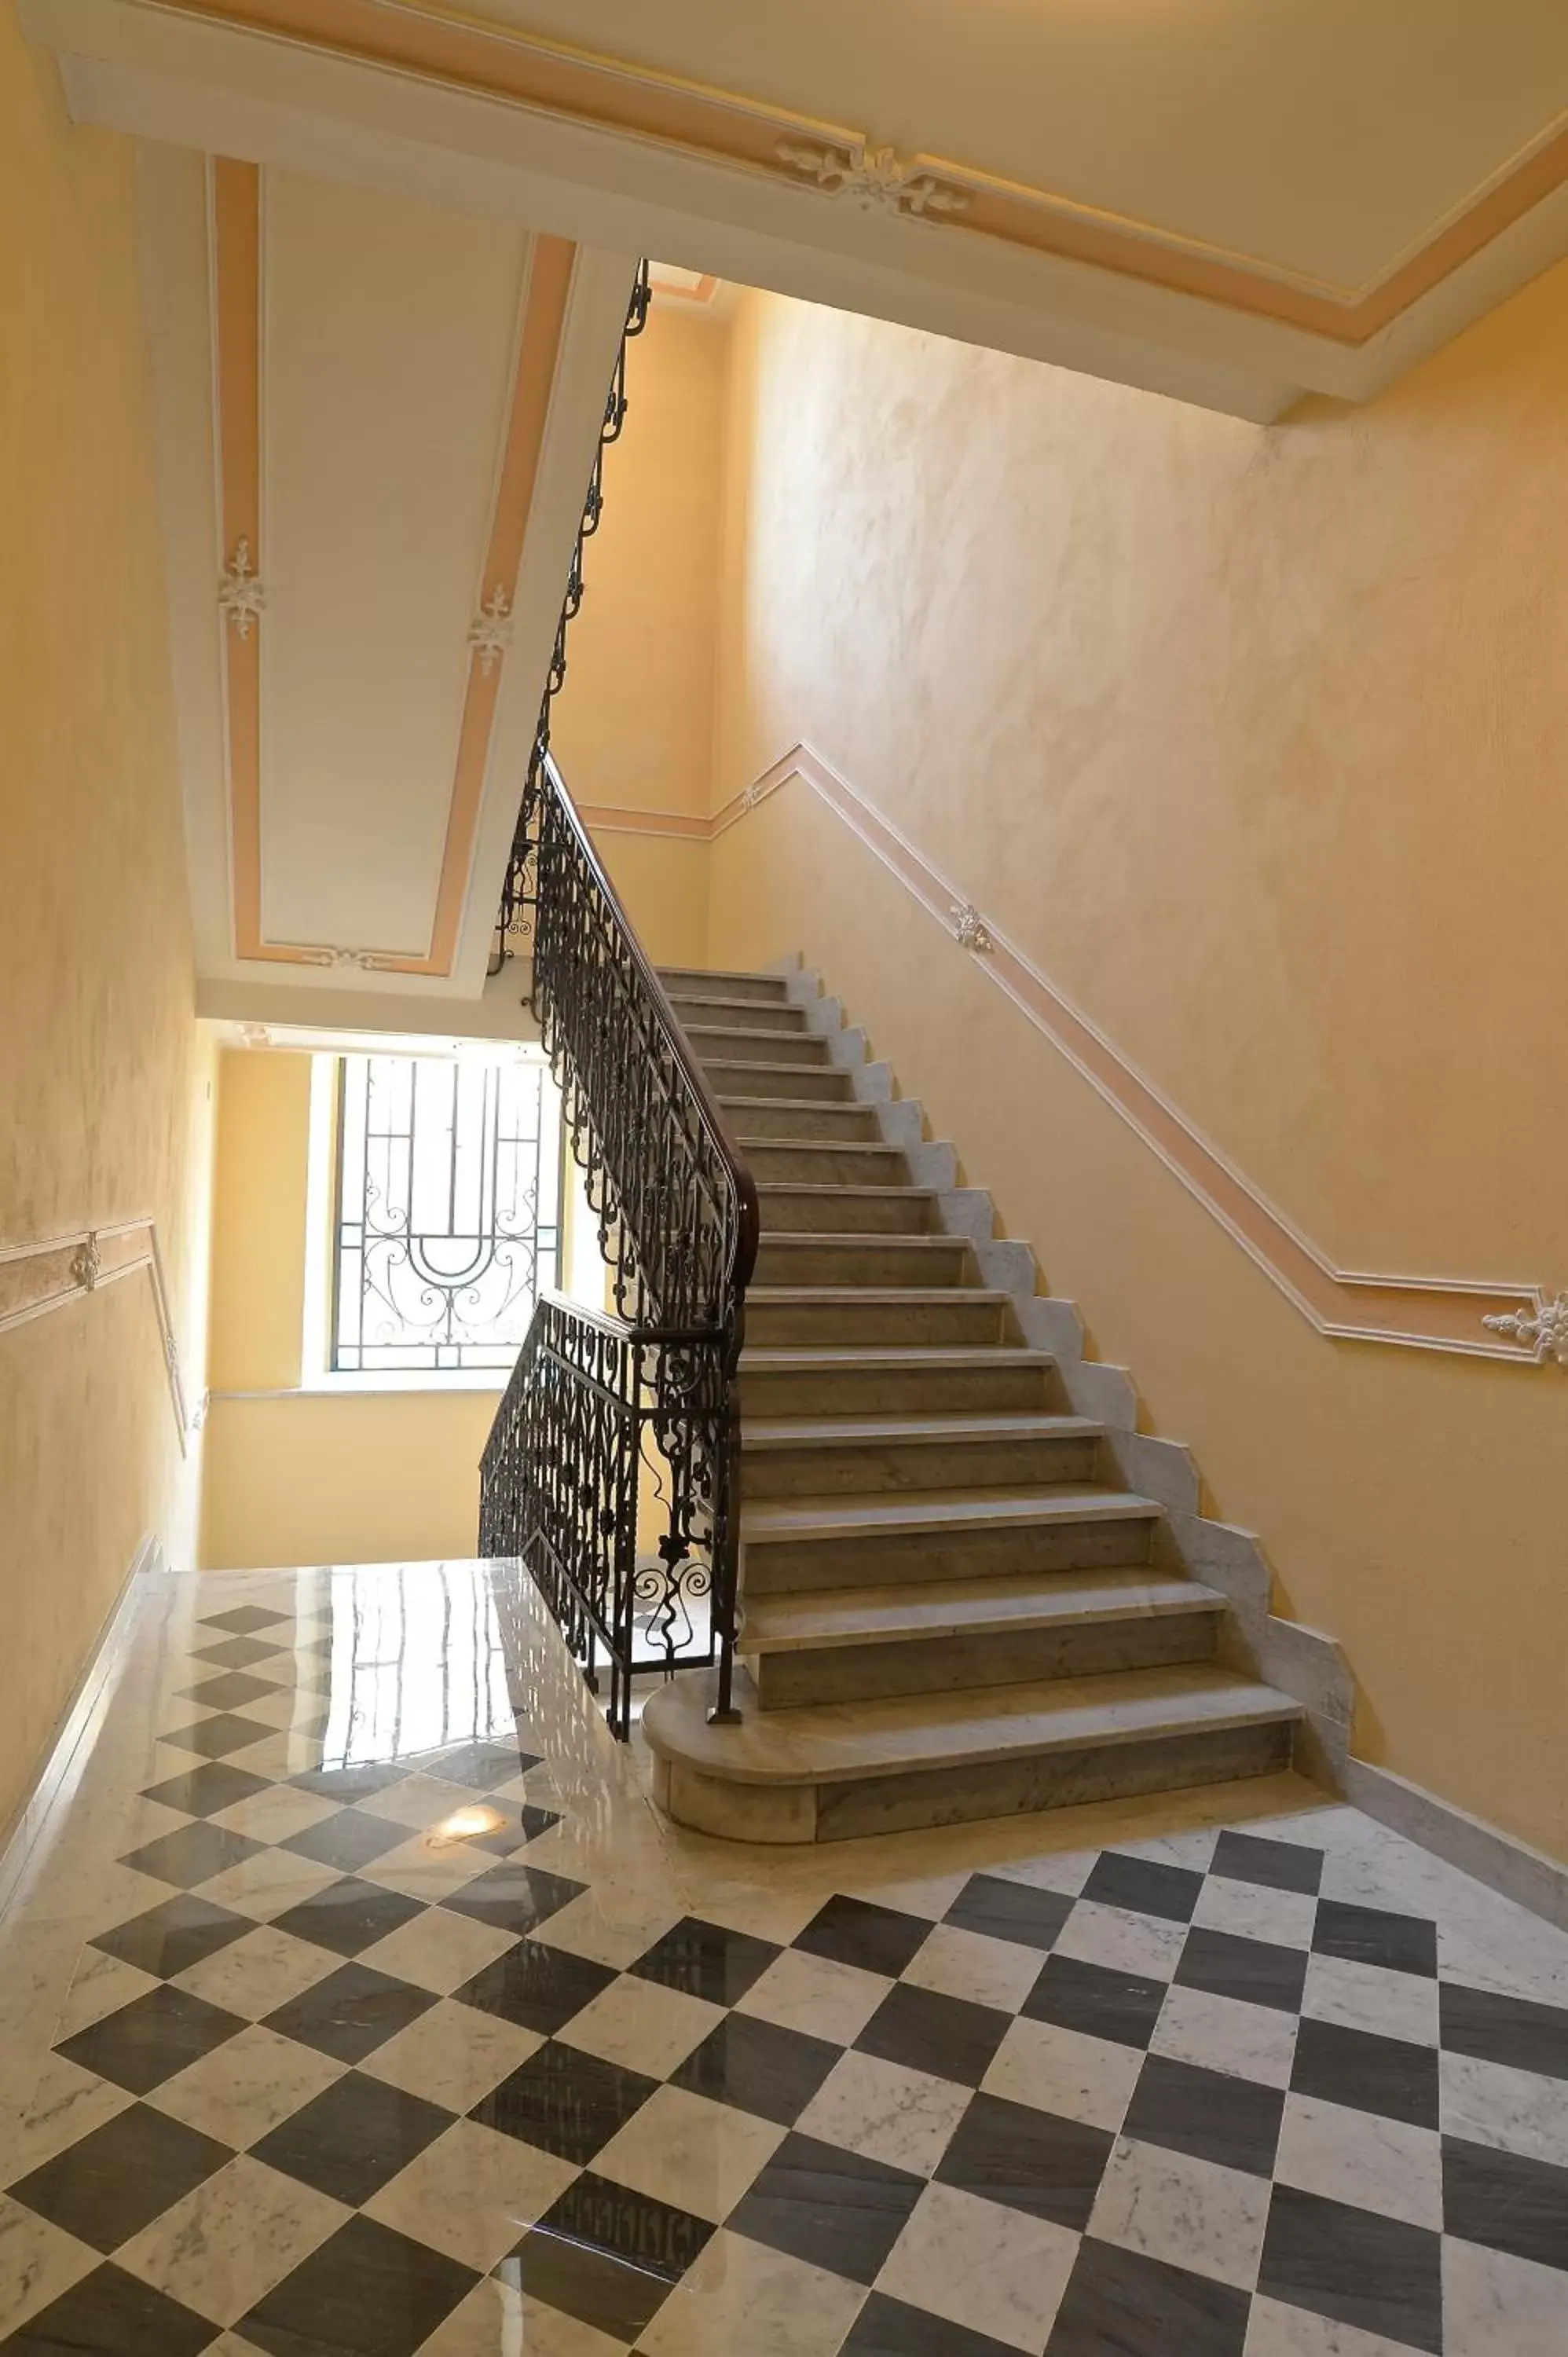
pixel 630 1412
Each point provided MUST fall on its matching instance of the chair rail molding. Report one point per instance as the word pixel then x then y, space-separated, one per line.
pixel 1455 1314
pixel 48 1272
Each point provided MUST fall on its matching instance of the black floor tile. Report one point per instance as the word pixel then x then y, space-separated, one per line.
pixel 111 2314
pixel 1259 1972
pixel 225 1731
pixel 193 1852
pixel 107 2186
pixel 1092 1998
pixel 927 2031
pixel 854 1931
pixel 349 1915
pixel 513 1897
pixel 517 1828
pixel 1375 2273
pixel 833 2209
pixel 151 2038
pixel 1391 2076
pixel 348 1841
pixel 1506 2029
pixel 606 2254
pixel 1506 2201
pixel 1144 1884
pixel 758 2066
pixel 1027 2159
pixel 482 1766
pixel 243 1619
pixel 239 1653
pixel 885 2328
pixel 566 2103
pixel 1010 1910
pixel 1372 1935
pixel 350 2013
pixel 359 1782
pixel 349 2140
pixel 228 1689
pixel 1234 2122
pixel 202 1792
pixel 1119 2304
pixel 367 2292
pixel 172 1936
pixel 707 1960
pixel 1278 1866
pixel 538 1986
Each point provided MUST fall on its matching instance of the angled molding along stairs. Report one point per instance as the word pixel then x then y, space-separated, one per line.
pixel 45 1275
pixel 1423 1313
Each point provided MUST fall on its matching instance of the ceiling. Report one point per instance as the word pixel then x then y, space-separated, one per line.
pixel 376 420
pixel 1232 200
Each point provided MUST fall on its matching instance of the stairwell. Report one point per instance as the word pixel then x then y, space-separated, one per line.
pixel 954 1606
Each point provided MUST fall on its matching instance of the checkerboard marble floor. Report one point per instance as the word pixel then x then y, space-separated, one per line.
pixel 355 2002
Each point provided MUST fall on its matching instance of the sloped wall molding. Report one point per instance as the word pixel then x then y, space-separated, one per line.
pixel 46 1275
pixel 1457 1314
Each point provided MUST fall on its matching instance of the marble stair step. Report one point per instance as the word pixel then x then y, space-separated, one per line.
pixel 912 1382
pixel 837 1455
pixel 730 984
pixel 827 1772
pixel 798 1121
pixel 714 1013
pixel 909 1536
pixel 842 1644
pixel 733 1043
pixel 735 1076
pixel 870 1317
pixel 794 1207
pixel 865 1261
pixel 823 1162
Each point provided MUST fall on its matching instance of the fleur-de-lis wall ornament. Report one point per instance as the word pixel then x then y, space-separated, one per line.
pixel 877 178
pixel 241 598
pixel 87 1263
pixel 490 630
pixel 1543 1329
pixel 969 928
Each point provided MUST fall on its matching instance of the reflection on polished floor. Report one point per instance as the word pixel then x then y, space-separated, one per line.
pixel 357 2002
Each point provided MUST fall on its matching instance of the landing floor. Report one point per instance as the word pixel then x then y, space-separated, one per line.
pixel 362 2004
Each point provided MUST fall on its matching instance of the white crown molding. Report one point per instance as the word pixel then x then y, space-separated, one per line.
pixel 46 1273
pixel 1412 1312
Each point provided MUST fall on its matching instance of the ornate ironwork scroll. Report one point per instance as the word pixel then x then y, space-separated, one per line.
pixel 609 1413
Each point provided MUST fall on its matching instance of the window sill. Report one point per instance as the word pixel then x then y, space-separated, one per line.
pixel 380 1386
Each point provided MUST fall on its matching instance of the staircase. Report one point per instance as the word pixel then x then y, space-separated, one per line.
pixel 952 1609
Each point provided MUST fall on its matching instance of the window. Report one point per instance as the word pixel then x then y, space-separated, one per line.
pixel 447 1217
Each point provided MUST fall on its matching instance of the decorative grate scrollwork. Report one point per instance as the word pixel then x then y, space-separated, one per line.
pixel 610 1413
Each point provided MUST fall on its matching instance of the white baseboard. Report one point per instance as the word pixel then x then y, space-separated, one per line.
pixel 1509 1867
pixel 21 1845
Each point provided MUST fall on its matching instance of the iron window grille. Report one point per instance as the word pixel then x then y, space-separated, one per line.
pixel 447 1207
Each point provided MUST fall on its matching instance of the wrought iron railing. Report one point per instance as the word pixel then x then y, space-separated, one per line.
pixel 613 1417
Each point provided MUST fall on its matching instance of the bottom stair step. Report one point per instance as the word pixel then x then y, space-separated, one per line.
pixel 827 1773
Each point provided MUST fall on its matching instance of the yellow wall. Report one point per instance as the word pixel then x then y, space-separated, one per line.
pixel 1251 739
pixel 634 724
pixel 310 1476
pixel 103 1079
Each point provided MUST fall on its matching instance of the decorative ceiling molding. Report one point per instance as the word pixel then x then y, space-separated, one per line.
pixel 1423 1313
pixel 718 126
pixel 236 220
pixel 54 1271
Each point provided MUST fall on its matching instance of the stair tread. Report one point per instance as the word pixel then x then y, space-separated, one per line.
pixel 797 1104
pixel 731 1006
pixel 762 1064
pixel 964 1607
pixel 830 1187
pixel 922 1294
pixel 900 1510
pixel 766 1433
pixel 813 1146
pixel 862 1242
pixel 816 1743
pixel 769 1359
pixel 716 974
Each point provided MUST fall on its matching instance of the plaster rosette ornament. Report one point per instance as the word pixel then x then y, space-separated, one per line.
pixel 241 598
pixel 87 1264
pixel 877 179
pixel 1542 1331
pixel 969 928
pixel 489 633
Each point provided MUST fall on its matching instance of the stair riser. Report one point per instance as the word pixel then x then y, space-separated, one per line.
pixel 832 1122
pixel 952 1796
pixel 731 1043
pixel 782 1165
pixel 790 1260
pixel 757 1015
pixel 805 1566
pixel 852 1214
pixel 856 1323
pixel 829 1083
pixel 824 1472
pixel 896 1391
pixel 768 989
pixel 1003 1657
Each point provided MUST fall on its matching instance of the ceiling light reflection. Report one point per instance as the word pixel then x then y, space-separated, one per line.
pixel 465 1825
